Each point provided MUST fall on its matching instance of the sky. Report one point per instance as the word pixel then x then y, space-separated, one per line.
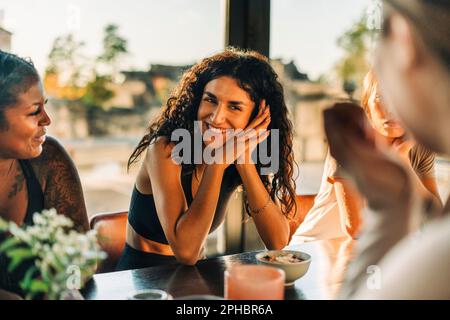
pixel 179 31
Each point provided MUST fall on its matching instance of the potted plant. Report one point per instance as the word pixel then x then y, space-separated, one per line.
pixel 59 260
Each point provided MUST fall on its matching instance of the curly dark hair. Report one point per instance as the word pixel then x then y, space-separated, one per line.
pixel 256 76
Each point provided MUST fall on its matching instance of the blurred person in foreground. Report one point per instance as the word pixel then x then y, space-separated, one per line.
pixel 413 69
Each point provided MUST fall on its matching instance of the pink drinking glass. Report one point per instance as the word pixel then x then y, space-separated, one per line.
pixel 254 282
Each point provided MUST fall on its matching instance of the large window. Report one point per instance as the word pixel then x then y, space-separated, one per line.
pixel 322 50
pixel 101 97
pixel 304 47
pixel 159 39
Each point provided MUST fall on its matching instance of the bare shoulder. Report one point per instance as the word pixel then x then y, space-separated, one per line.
pixel 53 156
pixel 162 146
pixel 54 150
pixel 160 151
pixel 60 182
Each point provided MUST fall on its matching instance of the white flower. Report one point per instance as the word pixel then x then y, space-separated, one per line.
pixel 56 248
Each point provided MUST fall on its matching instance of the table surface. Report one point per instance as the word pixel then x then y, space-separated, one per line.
pixel 329 259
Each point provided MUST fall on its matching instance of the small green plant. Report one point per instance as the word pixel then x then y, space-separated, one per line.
pixel 62 258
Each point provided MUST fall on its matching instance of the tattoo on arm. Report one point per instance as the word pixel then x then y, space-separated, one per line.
pixel 63 189
pixel 17 185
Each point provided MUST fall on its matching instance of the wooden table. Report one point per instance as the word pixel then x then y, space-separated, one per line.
pixel 322 280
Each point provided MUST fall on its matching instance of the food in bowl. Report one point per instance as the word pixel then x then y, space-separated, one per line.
pixel 294 263
pixel 284 257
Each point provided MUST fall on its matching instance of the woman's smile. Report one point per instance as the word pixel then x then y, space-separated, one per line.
pixel 216 129
pixel 40 138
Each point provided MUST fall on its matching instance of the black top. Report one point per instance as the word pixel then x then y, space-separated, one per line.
pixel 10 281
pixel 143 218
pixel 35 194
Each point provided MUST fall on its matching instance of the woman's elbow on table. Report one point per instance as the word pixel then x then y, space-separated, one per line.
pixel 186 255
pixel 278 244
pixel 187 258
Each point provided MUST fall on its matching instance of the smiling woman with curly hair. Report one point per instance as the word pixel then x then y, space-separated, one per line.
pixel 175 206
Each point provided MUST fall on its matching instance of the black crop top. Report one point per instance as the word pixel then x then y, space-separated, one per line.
pixel 10 281
pixel 143 218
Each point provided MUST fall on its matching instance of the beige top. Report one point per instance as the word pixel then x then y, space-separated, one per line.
pixel 324 220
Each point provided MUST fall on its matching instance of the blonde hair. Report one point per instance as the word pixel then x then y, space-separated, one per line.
pixel 369 86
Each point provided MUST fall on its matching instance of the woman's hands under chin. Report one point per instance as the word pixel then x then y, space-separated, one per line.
pixel 239 144
pixel 255 133
pixel 379 173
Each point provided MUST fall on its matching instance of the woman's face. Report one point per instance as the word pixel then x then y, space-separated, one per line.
pixel 224 105
pixel 381 118
pixel 405 80
pixel 26 122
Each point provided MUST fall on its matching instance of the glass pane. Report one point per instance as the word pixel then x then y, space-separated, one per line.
pixel 322 50
pixel 304 47
pixel 100 120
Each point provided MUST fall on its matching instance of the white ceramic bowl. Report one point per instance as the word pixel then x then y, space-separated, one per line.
pixel 150 294
pixel 293 270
